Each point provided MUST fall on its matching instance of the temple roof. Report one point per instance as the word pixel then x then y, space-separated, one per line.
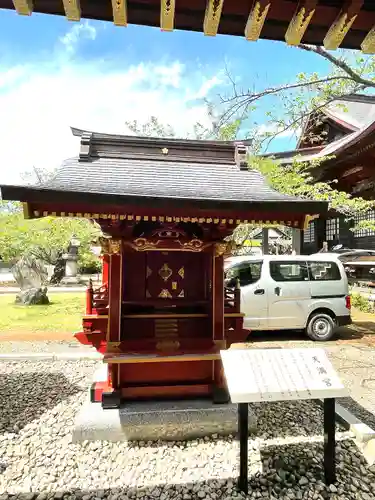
pixel 357 111
pixel 332 23
pixel 113 169
pixel 357 114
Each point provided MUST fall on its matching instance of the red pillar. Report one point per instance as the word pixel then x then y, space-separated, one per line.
pixel 220 394
pixel 111 398
pixel 218 297
pixel 105 268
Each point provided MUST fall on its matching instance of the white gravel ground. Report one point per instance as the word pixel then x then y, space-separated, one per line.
pixel 38 403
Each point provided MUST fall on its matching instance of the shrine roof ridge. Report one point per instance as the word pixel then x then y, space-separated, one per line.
pixel 205 143
pixel 100 145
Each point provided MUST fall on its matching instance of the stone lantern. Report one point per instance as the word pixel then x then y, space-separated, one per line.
pixel 71 260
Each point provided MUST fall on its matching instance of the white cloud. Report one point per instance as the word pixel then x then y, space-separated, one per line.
pixel 40 101
pixel 78 32
pixel 271 128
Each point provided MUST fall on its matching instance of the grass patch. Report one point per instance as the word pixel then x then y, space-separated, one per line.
pixel 63 315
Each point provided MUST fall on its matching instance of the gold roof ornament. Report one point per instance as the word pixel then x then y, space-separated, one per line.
pixel 256 19
pixel 300 21
pixel 342 25
pixel 167 15
pixel 23 7
pixel 120 13
pixel 72 10
pixel 368 44
pixel 212 17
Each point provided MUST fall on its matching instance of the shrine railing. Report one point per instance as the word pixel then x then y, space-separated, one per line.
pixel 96 299
pixel 232 300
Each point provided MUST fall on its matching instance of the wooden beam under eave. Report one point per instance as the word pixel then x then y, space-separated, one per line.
pixel 256 19
pixel 212 17
pixel 300 21
pixel 26 210
pixel 72 10
pixel 368 44
pixel 342 24
pixel 120 12
pixel 23 7
pixel 167 8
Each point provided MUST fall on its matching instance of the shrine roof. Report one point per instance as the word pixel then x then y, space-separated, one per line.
pixel 357 111
pixel 332 23
pixel 348 146
pixel 108 173
pixel 120 181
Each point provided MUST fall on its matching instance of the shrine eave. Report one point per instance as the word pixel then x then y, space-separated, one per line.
pixel 332 23
pixel 117 203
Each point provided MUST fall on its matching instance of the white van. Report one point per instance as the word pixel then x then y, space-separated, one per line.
pixel 285 292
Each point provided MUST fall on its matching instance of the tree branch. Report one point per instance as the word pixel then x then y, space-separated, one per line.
pixel 339 63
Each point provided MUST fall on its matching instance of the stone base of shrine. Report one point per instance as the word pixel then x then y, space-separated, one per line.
pixel 157 420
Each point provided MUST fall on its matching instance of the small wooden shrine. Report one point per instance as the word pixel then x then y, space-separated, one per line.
pixel 166 207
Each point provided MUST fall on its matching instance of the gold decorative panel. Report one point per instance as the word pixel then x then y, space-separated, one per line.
pixel 165 272
pixel 174 285
pixel 165 294
pixel 181 272
pixel 181 294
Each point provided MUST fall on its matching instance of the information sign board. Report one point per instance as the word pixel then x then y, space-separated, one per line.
pixel 261 375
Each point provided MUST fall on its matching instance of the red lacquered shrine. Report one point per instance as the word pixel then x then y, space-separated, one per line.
pixel 165 206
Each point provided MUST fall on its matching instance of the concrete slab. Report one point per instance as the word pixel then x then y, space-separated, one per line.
pixel 165 420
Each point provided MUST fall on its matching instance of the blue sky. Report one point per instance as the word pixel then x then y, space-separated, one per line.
pixel 94 75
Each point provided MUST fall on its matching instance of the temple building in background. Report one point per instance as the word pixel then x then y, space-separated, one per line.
pixel 344 133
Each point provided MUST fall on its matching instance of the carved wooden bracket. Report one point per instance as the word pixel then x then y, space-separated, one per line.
pixel 110 246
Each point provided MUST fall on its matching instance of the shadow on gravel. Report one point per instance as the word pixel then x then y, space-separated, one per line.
pixel 288 472
pixel 289 419
pixel 359 411
pixel 26 396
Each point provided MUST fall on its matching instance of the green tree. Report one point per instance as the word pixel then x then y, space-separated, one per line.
pixel 45 238
pixel 287 106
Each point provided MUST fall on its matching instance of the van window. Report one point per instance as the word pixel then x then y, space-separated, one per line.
pixel 324 271
pixel 288 271
pixel 247 272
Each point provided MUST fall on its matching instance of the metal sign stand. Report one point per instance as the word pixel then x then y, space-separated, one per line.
pixel 329 443
pixel 266 375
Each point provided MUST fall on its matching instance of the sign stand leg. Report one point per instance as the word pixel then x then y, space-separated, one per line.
pixel 329 440
pixel 243 426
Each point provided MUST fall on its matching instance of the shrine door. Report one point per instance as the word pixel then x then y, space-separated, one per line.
pixel 175 275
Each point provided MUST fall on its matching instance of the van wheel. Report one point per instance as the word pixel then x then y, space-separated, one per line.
pixel 320 327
